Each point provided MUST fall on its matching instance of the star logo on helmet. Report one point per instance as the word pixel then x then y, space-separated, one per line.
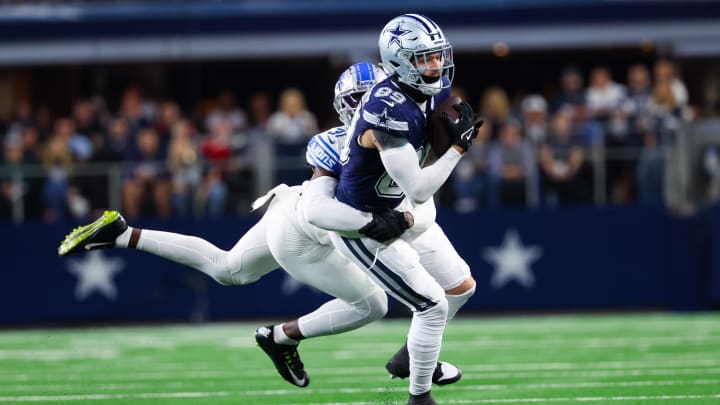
pixel 396 33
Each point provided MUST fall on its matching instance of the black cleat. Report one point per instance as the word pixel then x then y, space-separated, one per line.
pixel 446 373
pixel 422 399
pixel 100 234
pixel 399 367
pixel 285 357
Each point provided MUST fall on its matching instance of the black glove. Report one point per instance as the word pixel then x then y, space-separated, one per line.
pixel 385 225
pixel 466 129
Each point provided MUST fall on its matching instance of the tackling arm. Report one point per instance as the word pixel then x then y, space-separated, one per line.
pixel 321 209
pixel 423 215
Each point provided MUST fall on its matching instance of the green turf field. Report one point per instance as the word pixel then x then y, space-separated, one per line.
pixel 624 359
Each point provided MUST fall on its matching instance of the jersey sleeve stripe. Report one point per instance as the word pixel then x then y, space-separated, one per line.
pixel 388 123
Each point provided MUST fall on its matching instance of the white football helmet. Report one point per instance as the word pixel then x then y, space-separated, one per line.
pixel 405 42
pixel 350 87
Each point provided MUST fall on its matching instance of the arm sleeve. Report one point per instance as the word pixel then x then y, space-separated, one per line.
pixel 423 215
pixel 321 209
pixel 418 184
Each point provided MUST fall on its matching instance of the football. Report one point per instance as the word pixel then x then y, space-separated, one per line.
pixel 435 133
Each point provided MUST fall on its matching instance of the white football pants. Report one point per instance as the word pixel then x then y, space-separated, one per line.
pixel 398 269
pixel 276 240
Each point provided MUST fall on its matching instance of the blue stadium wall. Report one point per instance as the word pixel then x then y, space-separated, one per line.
pixel 569 259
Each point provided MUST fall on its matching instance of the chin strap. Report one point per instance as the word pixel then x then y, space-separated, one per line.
pixel 415 94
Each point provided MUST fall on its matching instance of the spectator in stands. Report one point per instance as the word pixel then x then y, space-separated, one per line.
pixel 562 159
pixel 22 118
pixel 534 119
pixel 112 147
pixel 473 185
pixel 260 110
pixel 131 110
pixel 80 145
pixel 291 127
pixel 57 159
pixel 665 115
pixel 86 120
pixel 32 148
pixel 637 101
pixel 32 155
pixel 169 116
pixel 293 123
pixel 217 150
pixel 184 169
pixel 16 186
pixel 604 95
pixel 226 110
pixel 513 163
pixel 116 143
pixel 146 172
pixel 572 92
pixel 495 110
pixel 44 122
pixel 604 102
pixel 665 111
pixel 665 71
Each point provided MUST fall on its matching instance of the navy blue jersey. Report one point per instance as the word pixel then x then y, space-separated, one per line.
pixel 364 183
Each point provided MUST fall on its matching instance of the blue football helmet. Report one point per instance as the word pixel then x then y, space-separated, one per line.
pixel 351 86
pixel 405 42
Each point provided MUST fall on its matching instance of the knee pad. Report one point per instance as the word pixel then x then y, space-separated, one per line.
pixel 437 314
pixel 376 304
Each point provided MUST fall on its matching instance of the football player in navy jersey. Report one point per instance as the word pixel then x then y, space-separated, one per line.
pixel 383 169
pixel 284 238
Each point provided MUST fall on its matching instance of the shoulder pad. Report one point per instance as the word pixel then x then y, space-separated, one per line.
pixel 323 149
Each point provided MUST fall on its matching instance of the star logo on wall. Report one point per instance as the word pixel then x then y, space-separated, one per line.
pixel 395 34
pixel 512 261
pixel 95 273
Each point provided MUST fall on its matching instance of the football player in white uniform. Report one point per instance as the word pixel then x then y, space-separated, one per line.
pixel 282 238
pixel 382 164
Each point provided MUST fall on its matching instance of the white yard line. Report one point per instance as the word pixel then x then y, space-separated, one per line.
pixel 479 371
pixel 327 391
pixel 243 370
pixel 548 400
pixel 97 397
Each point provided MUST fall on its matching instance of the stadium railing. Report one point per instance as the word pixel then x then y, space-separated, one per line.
pixel 681 158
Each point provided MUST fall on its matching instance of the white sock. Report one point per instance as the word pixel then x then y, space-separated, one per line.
pixel 424 342
pixel 188 250
pixel 123 240
pixel 281 338
pixel 455 302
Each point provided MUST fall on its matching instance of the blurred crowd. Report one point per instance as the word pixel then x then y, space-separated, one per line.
pixel 537 151
pixel 168 163
pixel 158 160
